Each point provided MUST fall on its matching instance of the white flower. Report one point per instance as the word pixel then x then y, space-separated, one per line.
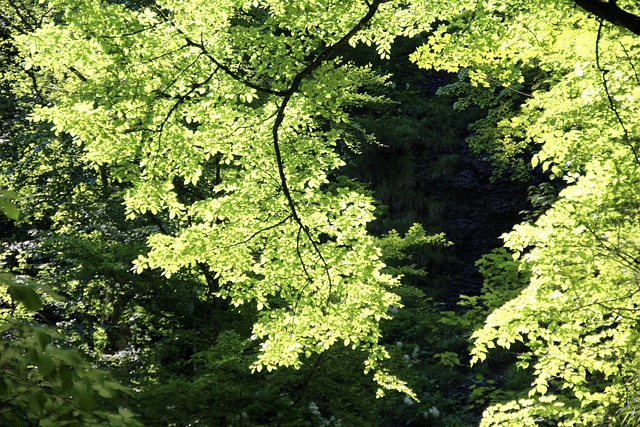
pixel 313 408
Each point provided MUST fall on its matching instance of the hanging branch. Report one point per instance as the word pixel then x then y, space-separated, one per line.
pixel 295 86
pixel 286 96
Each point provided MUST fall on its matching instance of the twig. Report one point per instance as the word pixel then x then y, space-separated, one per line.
pixel 528 95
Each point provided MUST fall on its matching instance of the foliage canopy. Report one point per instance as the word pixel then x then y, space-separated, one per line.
pixel 223 123
pixel 225 118
pixel 576 79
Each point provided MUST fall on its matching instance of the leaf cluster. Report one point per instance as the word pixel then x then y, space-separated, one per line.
pixel 573 307
pixel 43 382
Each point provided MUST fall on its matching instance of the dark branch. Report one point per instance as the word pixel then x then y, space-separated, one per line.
pixel 611 12
pixel 230 72
pixel 217 63
pixel 248 239
pixel 77 73
pixel 295 86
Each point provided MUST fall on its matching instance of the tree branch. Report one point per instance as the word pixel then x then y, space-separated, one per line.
pixel 295 86
pixel 217 63
pixel 610 11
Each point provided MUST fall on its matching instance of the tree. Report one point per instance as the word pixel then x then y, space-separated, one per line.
pixel 225 118
pixel 165 336
pixel 576 318
pixel 42 381
pixel 224 123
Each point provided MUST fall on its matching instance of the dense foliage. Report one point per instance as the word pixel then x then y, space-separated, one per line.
pixel 576 315
pixel 180 208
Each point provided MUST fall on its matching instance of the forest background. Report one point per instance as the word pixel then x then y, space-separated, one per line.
pixel 241 213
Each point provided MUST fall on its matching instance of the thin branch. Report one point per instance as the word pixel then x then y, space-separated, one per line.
pixel 184 70
pixel 295 86
pixel 305 386
pixel 248 239
pixel 77 73
pixel 26 18
pixel 157 221
pixel 612 106
pixel 633 67
pixel 231 73
pixel 472 18
pixel 528 95
pixel 164 54
pixel 132 33
pixel 182 98
pixel 217 63
pixel 302 263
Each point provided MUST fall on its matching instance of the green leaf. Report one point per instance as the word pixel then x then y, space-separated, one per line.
pixel 10 209
pixel 8 194
pixel 535 161
pixel 65 376
pixel 542 388
pixel 43 339
pixel 45 365
pixel 103 391
pixel 25 295
pixel 37 399
pixel 85 402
